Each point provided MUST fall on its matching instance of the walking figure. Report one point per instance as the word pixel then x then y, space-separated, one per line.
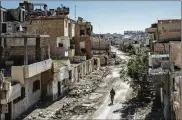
pixel 112 94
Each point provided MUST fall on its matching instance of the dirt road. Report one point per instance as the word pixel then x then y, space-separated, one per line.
pixel 103 108
pixel 94 104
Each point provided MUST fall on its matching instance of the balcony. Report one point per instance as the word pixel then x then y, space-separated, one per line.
pixel 13 92
pixel 37 68
pixel 19 73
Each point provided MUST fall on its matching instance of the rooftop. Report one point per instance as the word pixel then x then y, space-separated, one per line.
pixel 48 17
pixel 22 35
pixel 169 20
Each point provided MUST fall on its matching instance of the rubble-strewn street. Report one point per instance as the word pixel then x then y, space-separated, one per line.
pixel 89 98
pixel 62 60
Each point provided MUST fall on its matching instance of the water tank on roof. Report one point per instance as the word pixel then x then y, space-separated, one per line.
pixel 80 19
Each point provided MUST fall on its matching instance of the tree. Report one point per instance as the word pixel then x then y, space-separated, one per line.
pixel 136 69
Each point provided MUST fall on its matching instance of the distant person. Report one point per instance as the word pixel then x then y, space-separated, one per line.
pixel 112 94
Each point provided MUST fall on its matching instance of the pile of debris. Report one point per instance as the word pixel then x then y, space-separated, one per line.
pixel 81 90
pixel 78 91
pixel 81 109
pixel 69 110
pixel 88 84
pixel 117 61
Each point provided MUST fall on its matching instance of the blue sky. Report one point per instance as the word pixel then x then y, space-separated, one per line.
pixel 117 16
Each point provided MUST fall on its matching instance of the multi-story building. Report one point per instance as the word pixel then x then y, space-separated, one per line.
pixel 82 39
pixel 35 66
pixel 21 82
pixel 165 64
pixel 57 28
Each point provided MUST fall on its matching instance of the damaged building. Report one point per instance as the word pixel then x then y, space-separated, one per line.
pixel 43 53
pixel 165 65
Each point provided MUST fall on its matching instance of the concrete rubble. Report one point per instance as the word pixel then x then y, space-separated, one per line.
pixel 72 103
pixel 79 93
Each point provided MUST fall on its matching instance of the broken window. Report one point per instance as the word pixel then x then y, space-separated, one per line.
pixel 64 83
pixel 70 74
pixel 36 85
pixel 4 16
pixel 16 100
pixel 4 28
pixel 23 16
pixel 22 92
pixel 82 32
pixel 17 28
pixel 88 31
pixel 60 44
pixel 83 50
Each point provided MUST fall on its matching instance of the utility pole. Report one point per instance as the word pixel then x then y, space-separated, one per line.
pixel 75 12
pixel 99 44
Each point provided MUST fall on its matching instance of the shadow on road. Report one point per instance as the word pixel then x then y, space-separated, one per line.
pixel 155 114
pixel 129 107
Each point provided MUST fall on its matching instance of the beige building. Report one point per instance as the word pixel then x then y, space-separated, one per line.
pixel 56 27
pixel 169 29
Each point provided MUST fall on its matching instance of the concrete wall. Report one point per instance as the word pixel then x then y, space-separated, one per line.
pixel 14 92
pixel 37 68
pixel 76 79
pixel 17 74
pixel 169 24
pixel 175 96
pixel 19 41
pixel 161 47
pixel 30 99
pixel 66 27
pixel 64 40
pixel 46 83
pixel 176 53
pixel 73 30
pixel 88 45
pixel 53 27
pixel 82 45
pixel 169 28
pixel 71 53
pixel 99 43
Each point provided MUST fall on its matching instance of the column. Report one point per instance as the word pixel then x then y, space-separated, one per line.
pixel 25 52
pixel 38 50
